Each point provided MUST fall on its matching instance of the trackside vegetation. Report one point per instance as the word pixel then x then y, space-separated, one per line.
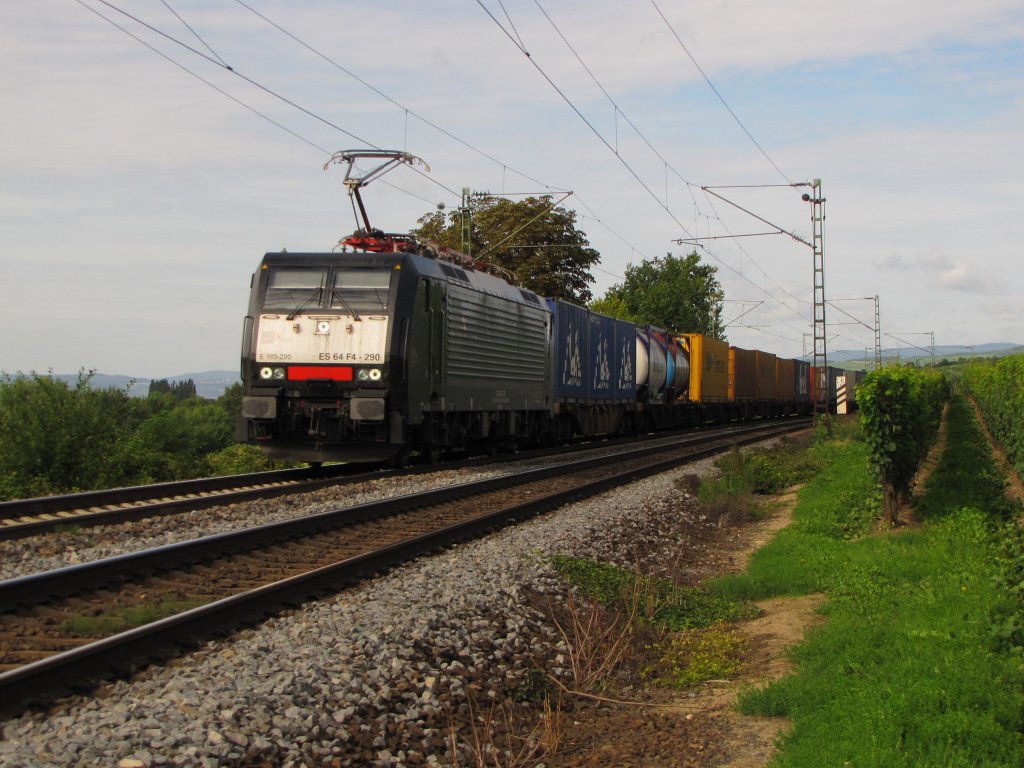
pixel 61 438
pixel 921 660
pixel 901 409
pixel 998 388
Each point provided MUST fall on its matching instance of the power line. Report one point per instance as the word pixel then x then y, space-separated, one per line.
pixel 235 72
pixel 190 29
pixel 582 117
pixel 261 87
pixel 393 101
pixel 203 80
pixel 517 42
pixel 717 93
pixel 668 167
pixel 221 63
pixel 233 98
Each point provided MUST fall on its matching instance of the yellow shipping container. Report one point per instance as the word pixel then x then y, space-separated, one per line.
pixel 709 367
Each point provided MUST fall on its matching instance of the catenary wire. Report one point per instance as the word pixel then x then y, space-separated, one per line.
pixel 190 29
pixel 393 101
pixel 235 99
pixel 336 127
pixel 518 43
pixel 717 93
pixel 444 131
pixel 262 87
pixel 668 166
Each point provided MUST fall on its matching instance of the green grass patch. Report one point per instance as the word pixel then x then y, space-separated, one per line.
pixel 839 504
pixel 126 618
pixel 910 668
pixel 692 657
pixel 745 475
pixel 658 601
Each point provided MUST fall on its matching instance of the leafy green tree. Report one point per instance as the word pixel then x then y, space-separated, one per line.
pixel 55 438
pixel 231 401
pixel 179 390
pixel 533 239
pixel 678 294
pixel 174 441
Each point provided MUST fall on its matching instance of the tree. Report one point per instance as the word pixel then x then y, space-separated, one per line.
pixel 677 294
pixel 533 239
pixel 55 438
pixel 179 390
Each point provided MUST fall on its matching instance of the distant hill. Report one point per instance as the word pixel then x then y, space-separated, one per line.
pixel 949 351
pixel 209 384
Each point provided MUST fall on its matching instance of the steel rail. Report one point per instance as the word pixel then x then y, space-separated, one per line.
pixel 80 669
pixel 90 508
pixel 30 517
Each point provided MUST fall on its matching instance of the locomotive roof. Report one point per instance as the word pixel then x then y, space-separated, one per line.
pixel 437 269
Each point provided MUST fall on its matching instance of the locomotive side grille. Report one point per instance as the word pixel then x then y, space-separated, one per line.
pixel 492 338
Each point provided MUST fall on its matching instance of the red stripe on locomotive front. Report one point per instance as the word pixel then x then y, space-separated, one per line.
pixel 332 372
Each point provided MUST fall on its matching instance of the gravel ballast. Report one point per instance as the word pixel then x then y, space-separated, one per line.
pixel 367 677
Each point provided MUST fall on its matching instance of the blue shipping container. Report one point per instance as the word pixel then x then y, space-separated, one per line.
pixel 569 333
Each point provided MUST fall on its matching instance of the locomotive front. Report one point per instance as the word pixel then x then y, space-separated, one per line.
pixel 316 357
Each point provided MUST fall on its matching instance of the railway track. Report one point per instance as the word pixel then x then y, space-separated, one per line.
pixel 31 517
pixel 213 585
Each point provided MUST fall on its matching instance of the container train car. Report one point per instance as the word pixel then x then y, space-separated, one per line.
pixel 396 347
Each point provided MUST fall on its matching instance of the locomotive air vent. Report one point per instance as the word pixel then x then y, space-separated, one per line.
pixel 454 273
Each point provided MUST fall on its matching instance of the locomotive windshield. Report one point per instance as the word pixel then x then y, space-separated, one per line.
pixel 361 290
pixel 295 288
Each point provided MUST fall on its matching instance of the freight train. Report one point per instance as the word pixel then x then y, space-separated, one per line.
pixel 393 347
pixel 396 347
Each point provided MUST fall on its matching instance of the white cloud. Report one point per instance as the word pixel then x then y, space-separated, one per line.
pixel 114 162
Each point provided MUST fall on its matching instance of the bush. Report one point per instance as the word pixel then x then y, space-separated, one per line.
pixel 61 438
pixel 999 391
pixel 901 409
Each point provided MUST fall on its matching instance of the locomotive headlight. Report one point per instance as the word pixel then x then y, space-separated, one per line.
pixel 375 374
pixel 368 374
pixel 267 373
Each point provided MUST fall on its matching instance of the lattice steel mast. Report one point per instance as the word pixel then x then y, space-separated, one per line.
pixel 820 379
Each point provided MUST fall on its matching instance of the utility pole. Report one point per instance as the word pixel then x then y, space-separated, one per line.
pixel 878 337
pixel 820 382
pixel 467 223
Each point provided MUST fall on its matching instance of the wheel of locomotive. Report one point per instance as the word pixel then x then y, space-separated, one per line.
pixel 431 453
pixel 401 459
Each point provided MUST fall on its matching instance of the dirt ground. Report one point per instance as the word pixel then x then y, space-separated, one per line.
pixel 700 728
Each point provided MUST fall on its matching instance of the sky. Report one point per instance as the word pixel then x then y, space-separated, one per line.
pixel 140 186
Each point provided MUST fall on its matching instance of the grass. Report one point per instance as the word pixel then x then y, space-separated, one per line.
pixel 656 601
pixel 126 618
pixel 685 629
pixel 908 670
pixel 688 658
